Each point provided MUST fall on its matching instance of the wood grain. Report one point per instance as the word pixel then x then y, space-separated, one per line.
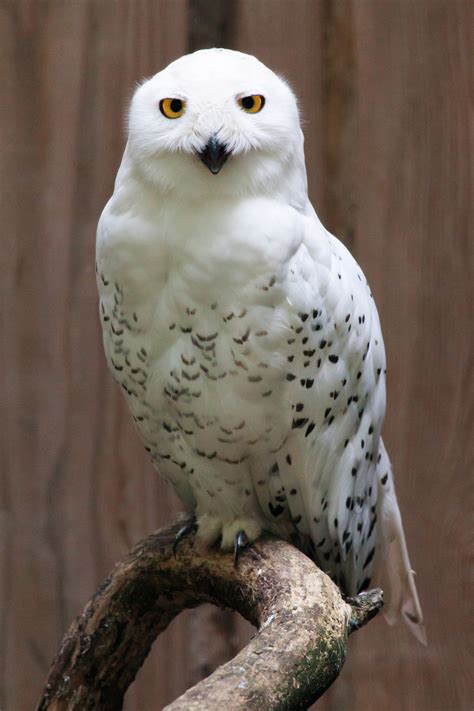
pixel 386 122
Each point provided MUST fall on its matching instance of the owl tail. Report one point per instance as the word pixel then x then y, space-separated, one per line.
pixel 392 570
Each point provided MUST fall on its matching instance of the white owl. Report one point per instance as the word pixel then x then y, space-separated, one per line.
pixel 244 336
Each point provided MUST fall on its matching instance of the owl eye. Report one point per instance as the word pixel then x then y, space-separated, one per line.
pixel 172 108
pixel 252 104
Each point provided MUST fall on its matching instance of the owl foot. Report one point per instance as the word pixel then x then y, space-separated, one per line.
pixel 238 534
pixel 240 541
pixel 209 529
pixel 184 531
pixel 232 535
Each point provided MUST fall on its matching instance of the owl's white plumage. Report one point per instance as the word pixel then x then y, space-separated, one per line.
pixel 243 334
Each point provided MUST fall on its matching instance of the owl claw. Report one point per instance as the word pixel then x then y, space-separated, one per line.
pixel 241 540
pixel 184 531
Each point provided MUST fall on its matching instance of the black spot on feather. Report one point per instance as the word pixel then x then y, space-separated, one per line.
pixel 368 559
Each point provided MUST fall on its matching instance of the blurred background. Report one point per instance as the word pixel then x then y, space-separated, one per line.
pixel 384 97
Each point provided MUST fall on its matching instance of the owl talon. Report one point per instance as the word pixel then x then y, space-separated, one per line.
pixel 241 540
pixel 182 533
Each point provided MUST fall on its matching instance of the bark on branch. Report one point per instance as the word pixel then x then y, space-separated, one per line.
pixel 297 653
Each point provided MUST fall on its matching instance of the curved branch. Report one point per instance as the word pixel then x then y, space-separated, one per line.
pixel 298 652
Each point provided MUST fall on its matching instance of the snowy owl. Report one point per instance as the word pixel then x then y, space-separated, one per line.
pixel 244 336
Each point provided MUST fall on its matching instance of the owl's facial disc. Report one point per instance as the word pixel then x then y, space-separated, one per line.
pixel 214 155
pixel 223 110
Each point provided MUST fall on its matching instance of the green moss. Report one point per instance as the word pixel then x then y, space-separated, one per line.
pixel 318 669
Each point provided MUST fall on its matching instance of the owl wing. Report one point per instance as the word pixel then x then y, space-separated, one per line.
pixel 335 470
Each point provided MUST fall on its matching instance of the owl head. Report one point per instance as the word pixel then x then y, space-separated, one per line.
pixel 216 122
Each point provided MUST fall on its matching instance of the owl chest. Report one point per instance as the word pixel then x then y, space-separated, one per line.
pixel 198 356
pixel 216 378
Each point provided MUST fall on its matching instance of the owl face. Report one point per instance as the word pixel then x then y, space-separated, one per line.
pixel 215 122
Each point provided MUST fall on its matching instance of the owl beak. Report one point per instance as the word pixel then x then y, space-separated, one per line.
pixel 214 155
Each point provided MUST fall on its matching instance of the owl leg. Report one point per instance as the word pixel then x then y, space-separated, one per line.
pixel 182 533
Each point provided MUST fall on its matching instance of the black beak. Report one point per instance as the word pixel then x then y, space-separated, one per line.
pixel 214 155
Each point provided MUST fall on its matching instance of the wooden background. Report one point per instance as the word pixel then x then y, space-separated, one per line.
pixel 384 92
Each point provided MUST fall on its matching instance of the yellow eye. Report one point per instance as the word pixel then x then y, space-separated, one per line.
pixel 252 104
pixel 172 108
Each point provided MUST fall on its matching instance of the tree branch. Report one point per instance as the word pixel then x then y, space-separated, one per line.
pixel 299 650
